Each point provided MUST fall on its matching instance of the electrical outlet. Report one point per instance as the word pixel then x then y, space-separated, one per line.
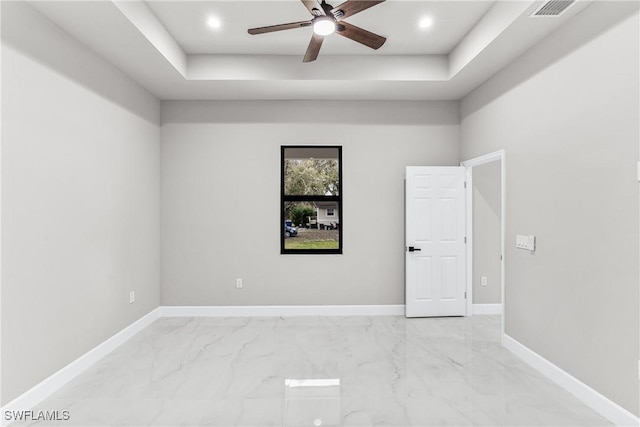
pixel 239 283
pixel 483 281
pixel 132 297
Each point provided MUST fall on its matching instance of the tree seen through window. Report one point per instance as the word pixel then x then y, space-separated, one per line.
pixel 311 199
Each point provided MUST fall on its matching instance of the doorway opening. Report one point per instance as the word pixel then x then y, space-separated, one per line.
pixel 486 209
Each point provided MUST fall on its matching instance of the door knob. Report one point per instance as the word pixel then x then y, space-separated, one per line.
pixel 412 249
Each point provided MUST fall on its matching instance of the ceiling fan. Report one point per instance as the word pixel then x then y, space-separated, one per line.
pixel 328 20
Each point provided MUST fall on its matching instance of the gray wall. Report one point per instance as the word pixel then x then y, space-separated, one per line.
pixel 80 197
pixel 221 198
pixel 567 114
pixel 487 200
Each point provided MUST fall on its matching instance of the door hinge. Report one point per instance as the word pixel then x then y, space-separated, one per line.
pixel 465 295
pixel 465 240
pixel 465 184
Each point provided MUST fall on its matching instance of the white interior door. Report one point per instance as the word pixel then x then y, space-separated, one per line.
pixel 435 241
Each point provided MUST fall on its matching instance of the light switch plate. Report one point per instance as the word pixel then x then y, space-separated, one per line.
pixel 526 242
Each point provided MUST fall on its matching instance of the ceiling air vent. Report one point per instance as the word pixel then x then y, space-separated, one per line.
pixel 553 8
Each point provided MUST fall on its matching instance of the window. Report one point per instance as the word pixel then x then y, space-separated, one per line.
pixel 311 201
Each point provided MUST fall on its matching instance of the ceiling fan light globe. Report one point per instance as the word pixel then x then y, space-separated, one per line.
pixel 324 26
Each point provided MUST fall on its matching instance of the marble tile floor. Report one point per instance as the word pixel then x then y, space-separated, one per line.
pixel 316 371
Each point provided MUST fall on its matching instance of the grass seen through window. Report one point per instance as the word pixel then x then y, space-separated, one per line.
pixel 311 199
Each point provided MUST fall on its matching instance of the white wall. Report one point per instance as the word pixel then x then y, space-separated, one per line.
pixel 487 205
pixel 567 115
pixel 80 199
pixel 221 198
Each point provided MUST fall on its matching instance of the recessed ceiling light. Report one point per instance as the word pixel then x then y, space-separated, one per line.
pixel 425 22
pixel 214 22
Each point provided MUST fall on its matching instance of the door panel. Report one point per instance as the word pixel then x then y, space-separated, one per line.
pixel 423 209
pixel 449 220
pixel 424 274
pixel 435 224
pixel 449 277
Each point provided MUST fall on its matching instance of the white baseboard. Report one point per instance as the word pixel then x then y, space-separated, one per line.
pixel 596 401
pixel 282 310
pixel 48 386
pixel 487 308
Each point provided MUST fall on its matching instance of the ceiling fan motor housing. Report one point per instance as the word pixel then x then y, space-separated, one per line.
pixel 326 7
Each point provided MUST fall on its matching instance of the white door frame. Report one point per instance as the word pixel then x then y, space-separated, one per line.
pixel 500 156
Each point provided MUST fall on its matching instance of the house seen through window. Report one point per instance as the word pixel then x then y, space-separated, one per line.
pixel 311 215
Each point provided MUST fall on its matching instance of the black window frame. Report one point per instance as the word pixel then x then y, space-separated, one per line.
pixel 310 198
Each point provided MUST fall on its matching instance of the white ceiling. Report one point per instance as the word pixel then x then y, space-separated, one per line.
pixel 396 20
pixel 167 47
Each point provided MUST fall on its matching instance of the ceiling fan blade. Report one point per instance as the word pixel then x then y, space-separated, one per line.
pixel 364 37
pixel 313 6
pixel 314 48
pixel 351 7
pixel 272 28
